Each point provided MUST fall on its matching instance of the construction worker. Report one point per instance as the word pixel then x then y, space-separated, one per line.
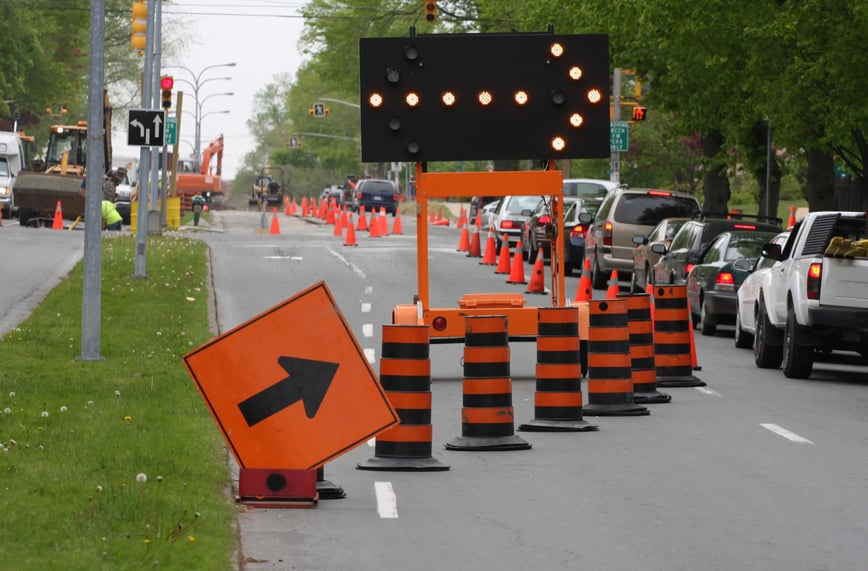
pixel 111 219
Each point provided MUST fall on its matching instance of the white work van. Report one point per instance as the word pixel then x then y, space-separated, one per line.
pixel 11 157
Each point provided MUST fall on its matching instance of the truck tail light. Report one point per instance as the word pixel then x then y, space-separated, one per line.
pixel 724 281
pixel 607 234
pixel 545 219
pixel 815 275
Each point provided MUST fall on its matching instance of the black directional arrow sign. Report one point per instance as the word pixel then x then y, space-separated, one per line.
pixel 308 381
pixel 145 128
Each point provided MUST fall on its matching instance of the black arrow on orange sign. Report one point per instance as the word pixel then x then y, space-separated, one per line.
pixel 308 381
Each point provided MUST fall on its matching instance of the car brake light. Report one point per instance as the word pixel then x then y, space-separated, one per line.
pixel 687 269
pixel 394 198
pixel 724 281
pixel 815 275
pixel 359 195
pixel 545 219
pixel 578 231
pixel 508 225
pixel 658 193
pixel 744 227
pixel 607 234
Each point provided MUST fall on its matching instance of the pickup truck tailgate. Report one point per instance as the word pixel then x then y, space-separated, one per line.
pixel 845 282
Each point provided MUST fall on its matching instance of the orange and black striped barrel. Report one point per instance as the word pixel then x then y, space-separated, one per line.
pixel 558 397
pixel 610 380
pixel 641 330
pixel 487 417
pixel 673 359
pixel 405 373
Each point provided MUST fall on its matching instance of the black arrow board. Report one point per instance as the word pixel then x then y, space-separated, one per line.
pixel 146 128
pixel 308 381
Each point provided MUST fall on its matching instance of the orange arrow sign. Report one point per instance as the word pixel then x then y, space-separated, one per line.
pixel 253 376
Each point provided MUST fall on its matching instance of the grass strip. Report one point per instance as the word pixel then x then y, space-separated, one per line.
pixel 114 464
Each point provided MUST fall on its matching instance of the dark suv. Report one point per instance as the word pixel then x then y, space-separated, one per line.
pixel 694 236
pixel 374 194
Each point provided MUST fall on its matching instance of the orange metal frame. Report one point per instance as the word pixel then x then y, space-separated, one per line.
pixel 522 320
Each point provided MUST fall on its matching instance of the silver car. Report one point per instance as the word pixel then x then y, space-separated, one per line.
pixel 509 218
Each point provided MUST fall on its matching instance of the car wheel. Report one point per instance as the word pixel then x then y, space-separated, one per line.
pixel 598 280
pixel 707 324
pixel 798 360
pixel 743 339
pixel 766 355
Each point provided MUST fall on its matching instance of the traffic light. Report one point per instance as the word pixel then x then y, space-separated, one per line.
pixel 639 113
pixel 167 82
pixel 318 110
pixel 430 12
pixel 139 31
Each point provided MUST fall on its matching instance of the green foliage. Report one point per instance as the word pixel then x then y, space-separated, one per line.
pixel 114 464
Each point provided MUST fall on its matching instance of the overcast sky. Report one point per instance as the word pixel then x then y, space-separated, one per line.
pixel 260 36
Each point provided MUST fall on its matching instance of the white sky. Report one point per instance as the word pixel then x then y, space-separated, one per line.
pixel 260 36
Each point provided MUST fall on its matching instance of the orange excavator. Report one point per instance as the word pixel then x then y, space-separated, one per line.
pixel 193 178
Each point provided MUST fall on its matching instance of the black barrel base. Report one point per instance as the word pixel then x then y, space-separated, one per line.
pixel 683 381
pixel 548 425
pixel 625 409
pixel 651 397
pixel 488 443
pixel 403 464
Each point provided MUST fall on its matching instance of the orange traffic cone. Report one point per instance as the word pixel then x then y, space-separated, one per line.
pixel 396 225
pixel 464 241
pixel 351 233
pixel 293 207
pixel 614 288
pixel 340 222
pixel 462 220
pixel 286 209
pixel 384 225
pixel 693 361
pixel 503 260
pixel 58 218
pixel 363 222
pixel 537 280
pixel 583 292
pixel 489 258
pixel 304 206
pixel 791 221
pixel 516 273
pixel 475 247
pixel 275 225
pixel 373 226
pixel 431 217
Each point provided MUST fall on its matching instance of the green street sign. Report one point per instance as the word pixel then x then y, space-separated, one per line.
pixel 619 136
pixel 171 131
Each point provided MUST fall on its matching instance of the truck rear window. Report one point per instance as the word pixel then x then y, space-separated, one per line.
pixel 649 210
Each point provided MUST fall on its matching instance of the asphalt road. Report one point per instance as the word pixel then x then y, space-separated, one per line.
pixel 753 471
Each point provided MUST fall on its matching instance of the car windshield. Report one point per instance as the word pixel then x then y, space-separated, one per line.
pixel 516 204
pixel 650 209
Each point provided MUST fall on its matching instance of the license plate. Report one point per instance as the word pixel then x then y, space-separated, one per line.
pixel 377 197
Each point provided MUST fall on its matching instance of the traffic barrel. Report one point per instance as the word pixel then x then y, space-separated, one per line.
pixel 558 397
pixel 610 380
pixel 487 415
pixel 641 330
pixel 405 373
pixel 672 343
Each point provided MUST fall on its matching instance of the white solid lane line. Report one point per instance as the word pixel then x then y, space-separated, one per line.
pixel 387 501
pixel 785 433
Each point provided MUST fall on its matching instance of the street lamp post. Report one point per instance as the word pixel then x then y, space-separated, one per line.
pixel 196 84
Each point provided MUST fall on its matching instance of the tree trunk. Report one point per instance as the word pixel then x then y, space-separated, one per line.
pixel 820 183
pixel 715 184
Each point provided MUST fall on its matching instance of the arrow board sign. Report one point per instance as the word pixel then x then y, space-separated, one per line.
pixel 291 388
pixel 146 128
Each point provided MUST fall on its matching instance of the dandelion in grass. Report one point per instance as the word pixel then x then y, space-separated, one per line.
pixel 44 414
pixel 191 538
pixel 63 409
pixel 7 410
pixel 99 489
pixel 141 477
pixel 12 394
pixel 128 418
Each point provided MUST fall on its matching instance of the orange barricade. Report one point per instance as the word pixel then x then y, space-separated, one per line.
pixel 487 417
pixel 610 381
pixel 672 342
pixel 405 373
pixel 641 330
pixel 558 397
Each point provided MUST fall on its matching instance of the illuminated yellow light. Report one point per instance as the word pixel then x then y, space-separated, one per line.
pixel 521 97
pixel 575 73
pixel 557 50
pixel 485 97
pixel 412 99
pixel 375 99
pixel 448 99
pixel 558 144
pixel 594 96
pixel 576 119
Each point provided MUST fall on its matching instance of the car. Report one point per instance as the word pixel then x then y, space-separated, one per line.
pixel 748 294
pixel 643 258
pixel 713 282
pixel 693 238
pixel 588 187
pixel 479 201
pixel 537 232
pixel 374 193
pixel 487 211
pixel 330 193
pixel 624 213
pixel 509 218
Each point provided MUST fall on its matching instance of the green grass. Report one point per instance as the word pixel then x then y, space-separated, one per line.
pixel 79 437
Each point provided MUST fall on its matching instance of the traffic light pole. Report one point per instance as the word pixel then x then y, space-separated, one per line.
pixel 615 171
pixel 145 153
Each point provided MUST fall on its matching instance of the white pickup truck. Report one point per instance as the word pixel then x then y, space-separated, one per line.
pixel 815 297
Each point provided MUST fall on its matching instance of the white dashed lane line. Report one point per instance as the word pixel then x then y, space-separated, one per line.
pixel 366 307
pixel 780 431
pixel 387 501
pixel 707 391
pixel 368 330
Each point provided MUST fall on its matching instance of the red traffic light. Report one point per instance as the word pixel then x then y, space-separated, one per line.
pixel 167 82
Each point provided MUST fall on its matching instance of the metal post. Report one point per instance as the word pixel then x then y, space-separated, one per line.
pixel 145 154
pixel 615 175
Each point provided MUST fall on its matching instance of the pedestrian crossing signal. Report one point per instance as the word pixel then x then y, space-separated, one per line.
pixel 639 113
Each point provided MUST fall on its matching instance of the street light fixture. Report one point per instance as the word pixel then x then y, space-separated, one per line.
pixel 196 83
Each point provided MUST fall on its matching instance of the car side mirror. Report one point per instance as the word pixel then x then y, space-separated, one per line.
pixel 772 251
pixel 640 240
pixel 658 248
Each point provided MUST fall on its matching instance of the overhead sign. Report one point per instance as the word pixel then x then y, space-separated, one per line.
pixel 291 388
pixel 146 128
pixel 619 136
